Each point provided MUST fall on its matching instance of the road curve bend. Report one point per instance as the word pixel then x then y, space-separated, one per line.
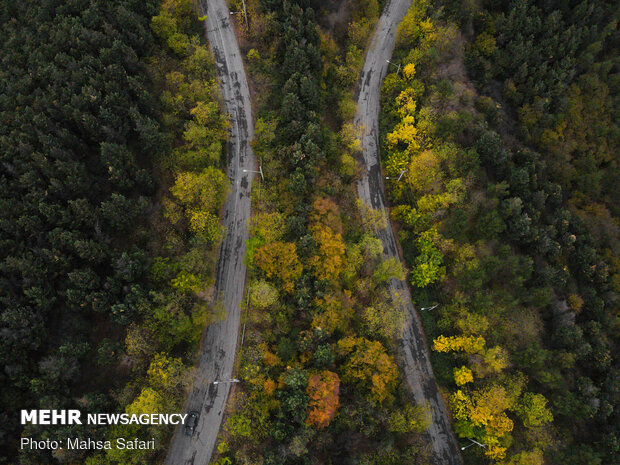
pixel 414 351
pixel 219 341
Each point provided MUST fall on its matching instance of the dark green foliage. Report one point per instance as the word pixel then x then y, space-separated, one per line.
pixel 299 128
pixel 77 128
pixel 324 356
pixel 553 61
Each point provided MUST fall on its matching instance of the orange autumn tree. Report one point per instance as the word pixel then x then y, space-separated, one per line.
pixel 279 260
pixel 323 389
pixel 325 212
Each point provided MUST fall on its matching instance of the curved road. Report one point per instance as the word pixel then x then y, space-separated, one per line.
pixel 220 339
pixel 417 368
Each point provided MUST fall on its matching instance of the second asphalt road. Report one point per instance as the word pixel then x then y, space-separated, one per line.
pixel 416 364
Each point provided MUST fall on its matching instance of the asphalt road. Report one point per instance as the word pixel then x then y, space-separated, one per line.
pixel 414 351
pixel 220 339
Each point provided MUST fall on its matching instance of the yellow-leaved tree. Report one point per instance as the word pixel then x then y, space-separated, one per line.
pixel 168 375
pixel 278 260
pixel 334 312
pixel 484 408
pixel 404 136
pixel 200 195
pixel 467 344
pixel 166 379
pixel 533 411
pixel 463 376
pixel 328 263
pixel 370 367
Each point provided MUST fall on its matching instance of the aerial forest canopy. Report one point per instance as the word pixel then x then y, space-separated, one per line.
pixel 111 145
pixel 77 131
pixel 499 137
pixel 504 121
pixel 319 376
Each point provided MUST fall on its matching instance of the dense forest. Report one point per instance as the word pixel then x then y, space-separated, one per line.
pixel 110 185
pixel 320 380
pixel 503 120
pixel 499 135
